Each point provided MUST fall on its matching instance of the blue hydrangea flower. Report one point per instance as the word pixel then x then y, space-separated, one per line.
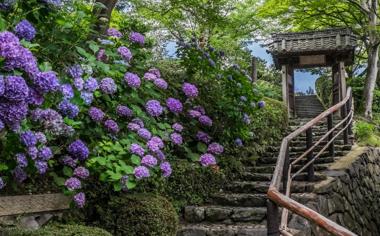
pixel 25 30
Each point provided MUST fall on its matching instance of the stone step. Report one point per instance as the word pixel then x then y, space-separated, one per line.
pixel 301 147
pixel 320 160
pixel 297 143
pixel 224 214
pixel 205 229
pixel 269 168
pixel 273 156
pixel 262 187
pixel 240 200
pixel 251 176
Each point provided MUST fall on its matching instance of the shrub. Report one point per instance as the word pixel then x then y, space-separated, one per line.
pixel 137 214
pixel 54 230
pixel 366 134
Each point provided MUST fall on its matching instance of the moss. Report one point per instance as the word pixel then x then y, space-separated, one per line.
pixel 54 230
pixel 138 214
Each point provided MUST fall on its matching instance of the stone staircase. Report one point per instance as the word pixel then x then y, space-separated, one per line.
pixel 239 209
pixel 308 106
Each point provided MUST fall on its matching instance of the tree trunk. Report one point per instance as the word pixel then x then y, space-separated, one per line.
pixel 373 58
pixel 104 15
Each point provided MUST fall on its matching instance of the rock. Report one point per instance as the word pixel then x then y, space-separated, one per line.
pixel 194 214
pixel 29 222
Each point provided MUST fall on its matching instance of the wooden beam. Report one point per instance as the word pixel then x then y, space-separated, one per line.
pixel 24 204
pixel 342 75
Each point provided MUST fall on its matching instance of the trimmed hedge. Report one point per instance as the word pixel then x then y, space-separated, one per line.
pixel 55 230
pixel 139 214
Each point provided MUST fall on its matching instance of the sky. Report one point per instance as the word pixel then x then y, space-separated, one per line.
pixel 302 80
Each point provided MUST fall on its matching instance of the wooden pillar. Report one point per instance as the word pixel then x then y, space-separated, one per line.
pixel 285 93
pixel 288 95
pixel 336 84
pixel 342 76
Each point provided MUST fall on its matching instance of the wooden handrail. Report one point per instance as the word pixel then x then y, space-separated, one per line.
pixel 283 170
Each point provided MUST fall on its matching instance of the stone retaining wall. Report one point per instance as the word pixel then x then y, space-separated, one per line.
pixel 351 194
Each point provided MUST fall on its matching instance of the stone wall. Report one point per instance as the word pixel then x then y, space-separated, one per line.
pixel 351 194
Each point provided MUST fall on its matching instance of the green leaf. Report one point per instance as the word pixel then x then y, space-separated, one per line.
pixel 94 47
pixel 131 184
pixel 67 171
pixel 201 147
pixel 3 167
pixel 135 160
pixel 59 181
pixel 117 186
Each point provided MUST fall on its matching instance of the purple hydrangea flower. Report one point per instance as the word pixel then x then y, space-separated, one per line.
pixel 160 155
pixel 33 152
pixel 101 55
pixel 13 113
pixel 149 161
pixel 75 71
pixel 2 184
pixel 177 127
pixel 155 144
pixel 68 109
pixel 200 109
pixel 2 125
pixel 202 136
pixel 41 137
pixel 144 133
pixel 207 159
pixel 161 83
pixel 174 105
pixel 21 160
pixel 41 167
pixel 2 85
pixel 166 169
pixel 35 98
pixel 73 183
pixel 139 122
pixel 112 126
pixel 132 80
pixel 28 138
pixel 125 53
pixel 46 82
pixel 246 119
pixel 79 150
pixel 79 199
pixel 205 120
pixel 112 32
pixel 238 142
pixel 194 114
pixel 7 5
pixel 69 161
pixel 19 174
pixel 215 148
pixel 261 104
pixel 87 97
pixel 55 3
pixel 96 114
pixel 243 98
pixel 190 90
pixel 141 172
pixel 136 37
pixel 24 29
pixel 16 89
pixel 124 111
pixel 67 91
pixel 154 108
pixel 150 76
pixel 79 83
pixel 81 172
pixel 108 86
pixel 176 138
pixel 133 126
pixel 45 153
pixel 91 84
pixel 137 150
pixel 156 72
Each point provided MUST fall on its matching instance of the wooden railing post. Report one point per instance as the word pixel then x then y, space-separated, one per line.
pixel 273 219
pixel 345 132
pixel 331 135
pixel 309 144
pixel 285 170
pixel 349 107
